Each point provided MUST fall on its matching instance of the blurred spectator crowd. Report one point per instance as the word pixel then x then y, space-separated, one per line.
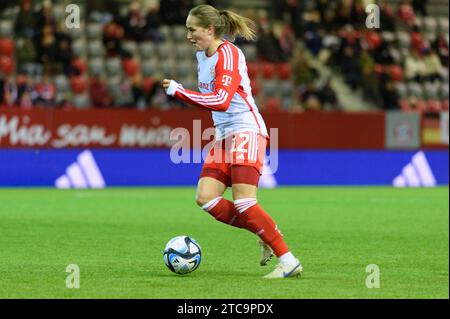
pixel 403 64
pixel 119 54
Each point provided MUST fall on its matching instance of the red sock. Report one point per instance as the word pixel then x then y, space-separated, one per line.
pixel 259 222
pixel 224 211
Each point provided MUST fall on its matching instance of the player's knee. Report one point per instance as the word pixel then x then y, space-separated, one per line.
pixel 203 198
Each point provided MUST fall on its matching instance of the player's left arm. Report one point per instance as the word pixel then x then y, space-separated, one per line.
pixel 227 81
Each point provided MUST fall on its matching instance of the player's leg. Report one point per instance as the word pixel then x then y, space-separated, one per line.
pixel 209 198
pixel 248 154
pixel 208 188
pixel 214 179
pixel 260 223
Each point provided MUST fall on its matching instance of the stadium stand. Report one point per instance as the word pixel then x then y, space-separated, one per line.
pixel 303 49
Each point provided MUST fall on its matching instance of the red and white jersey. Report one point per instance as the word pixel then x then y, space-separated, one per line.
pixel 225 90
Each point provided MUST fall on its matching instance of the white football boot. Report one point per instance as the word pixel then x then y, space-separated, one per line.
pixel 266 253
pixel 283 270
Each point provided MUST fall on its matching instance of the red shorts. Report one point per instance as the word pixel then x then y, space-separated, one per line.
pixel 237 159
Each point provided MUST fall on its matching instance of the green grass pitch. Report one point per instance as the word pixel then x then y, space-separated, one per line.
pixel 116 237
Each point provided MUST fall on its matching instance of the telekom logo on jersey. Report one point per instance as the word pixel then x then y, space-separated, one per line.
pixel 243 146
pixel 226 80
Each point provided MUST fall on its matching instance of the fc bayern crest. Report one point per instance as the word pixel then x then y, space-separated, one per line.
pixel 403 132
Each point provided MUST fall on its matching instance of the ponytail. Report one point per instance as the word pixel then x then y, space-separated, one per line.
pixel 225 22
pixel 236 25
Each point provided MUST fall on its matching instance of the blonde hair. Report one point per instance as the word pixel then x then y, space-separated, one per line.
pixel 225 22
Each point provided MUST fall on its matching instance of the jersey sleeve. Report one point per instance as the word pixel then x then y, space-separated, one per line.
pixel 227 81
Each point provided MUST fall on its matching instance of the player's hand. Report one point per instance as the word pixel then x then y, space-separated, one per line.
pixel 166 83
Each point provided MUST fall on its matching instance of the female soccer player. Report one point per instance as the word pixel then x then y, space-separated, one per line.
pixel 237 157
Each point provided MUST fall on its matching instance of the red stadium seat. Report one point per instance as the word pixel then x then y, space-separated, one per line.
pixel 405 106
pixel 373 39
pixel 130 66
pixel 6 65
pixel 284 71
pixel 434 106
pixel 252 70
pixel 272 104
pixel 80 65
pixel 268 70
pixel 78 84
pixel 396 73
pixel 256 87
pixel 444 105
pixel 21 79
pixel 417 40
pixel 421 106
pixel 6 47
pixel 379 69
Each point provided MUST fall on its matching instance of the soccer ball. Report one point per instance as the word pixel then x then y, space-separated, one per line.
pixel 182 255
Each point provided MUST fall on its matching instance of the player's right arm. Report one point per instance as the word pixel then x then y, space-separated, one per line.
pixel 226 84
